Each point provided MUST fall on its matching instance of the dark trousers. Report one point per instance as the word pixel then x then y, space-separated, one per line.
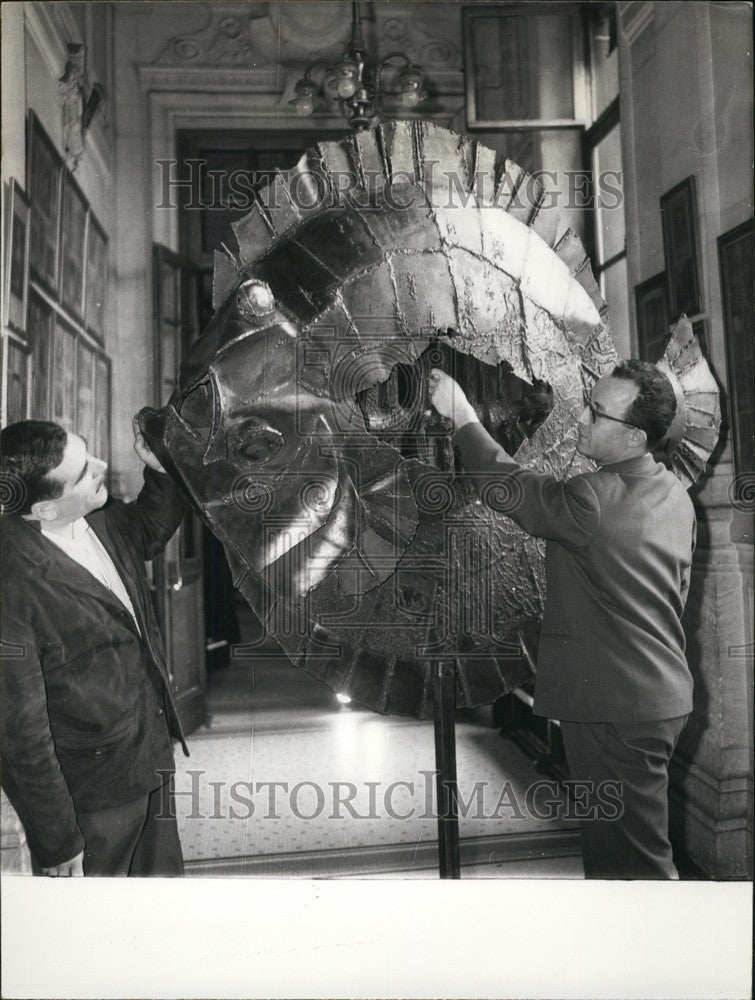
pixel 635 843
pixel 134 839
pixel 138 838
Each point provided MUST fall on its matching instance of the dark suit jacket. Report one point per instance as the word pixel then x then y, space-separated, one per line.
pixel 618 557
pixel 87 713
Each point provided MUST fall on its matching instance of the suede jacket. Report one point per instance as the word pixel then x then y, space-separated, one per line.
pixel 88 717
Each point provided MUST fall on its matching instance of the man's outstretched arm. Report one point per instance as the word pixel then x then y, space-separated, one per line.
pixel 153 518
pixel 567 512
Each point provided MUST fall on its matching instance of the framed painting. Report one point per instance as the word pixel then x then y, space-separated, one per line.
pixel 679 219
pixel 41 328
pixel 64 377
pixel 86 398
pixel 16 263
pixel 16 380
pixel 96 278
pixel 735 250
pixel 651 304
pixel 44 172
pixel 102 409
pixel 73 247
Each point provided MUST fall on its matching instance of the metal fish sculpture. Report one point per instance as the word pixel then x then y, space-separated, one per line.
pixel 300 426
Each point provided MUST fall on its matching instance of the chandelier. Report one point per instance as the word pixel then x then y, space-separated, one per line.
pixel 359 82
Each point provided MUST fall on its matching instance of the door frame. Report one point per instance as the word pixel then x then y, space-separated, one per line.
pixel 179 567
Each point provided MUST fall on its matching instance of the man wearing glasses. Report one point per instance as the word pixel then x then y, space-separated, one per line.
pixel 611 663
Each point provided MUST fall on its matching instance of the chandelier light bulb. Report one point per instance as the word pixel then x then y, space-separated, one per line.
pixel 355 81
pixel 305 87
pixel 347 86
pixel 410 84
pixel 304 101
pixel 410 78
pixel 303 106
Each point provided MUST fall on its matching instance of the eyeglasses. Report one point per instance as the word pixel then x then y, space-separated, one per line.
pixel 594 414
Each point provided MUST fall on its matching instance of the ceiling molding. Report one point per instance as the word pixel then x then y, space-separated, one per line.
pixel 213 79
pixel 227 39
pixel 237 79
pixel 44 32
pixel 635 16
pixel 52 26
pixel 292 35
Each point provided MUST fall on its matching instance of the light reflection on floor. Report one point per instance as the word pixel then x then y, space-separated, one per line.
pixel 352 788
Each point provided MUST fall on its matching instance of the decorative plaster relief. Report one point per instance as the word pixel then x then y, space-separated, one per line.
pixel 225 41
pixel 261 34
pixel 292 34
pixel 311 27
pixel 427 39
pixel 261 48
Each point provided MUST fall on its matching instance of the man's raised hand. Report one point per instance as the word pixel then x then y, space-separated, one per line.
pixel 449 400
pixel 142 448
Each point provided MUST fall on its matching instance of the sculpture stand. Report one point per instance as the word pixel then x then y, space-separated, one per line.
pixel 444 706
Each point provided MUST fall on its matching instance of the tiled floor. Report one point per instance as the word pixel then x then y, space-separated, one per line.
pixel 352 799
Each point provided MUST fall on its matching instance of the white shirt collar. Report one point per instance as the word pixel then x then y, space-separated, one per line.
pixel 74 532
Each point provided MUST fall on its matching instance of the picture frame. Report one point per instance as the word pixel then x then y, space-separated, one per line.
pixel 64 376
pixel 16 261
pixel 16 382
pixel 96 278
pixel 651 305
pixel 86 393
pixel 679 223
pixel 102 422
pixel 735 258
pixel 40 328
pixel 43 186
pixel 73 246
pixel 501 78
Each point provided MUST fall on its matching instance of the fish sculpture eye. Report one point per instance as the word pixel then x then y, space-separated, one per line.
pixel 255 441
pixel 255 299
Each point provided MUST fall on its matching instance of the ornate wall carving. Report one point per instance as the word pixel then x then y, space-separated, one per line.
pixel 293 34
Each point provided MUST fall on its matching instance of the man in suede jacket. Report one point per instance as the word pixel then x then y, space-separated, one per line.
pixel 611 663
pixel 88 718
